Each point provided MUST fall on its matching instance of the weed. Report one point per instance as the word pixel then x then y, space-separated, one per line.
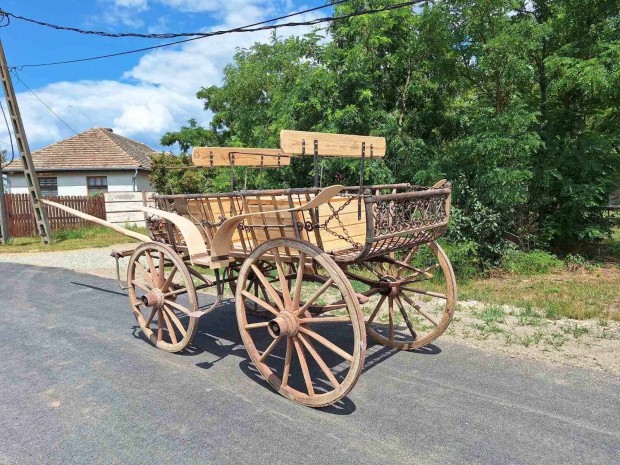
pixel 529 317
pixel 492 314
pixel 576 262
pixel 575 330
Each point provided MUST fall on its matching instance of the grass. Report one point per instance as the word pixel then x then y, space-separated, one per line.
pixel 69 240
pixel 541 285
pixel 560 294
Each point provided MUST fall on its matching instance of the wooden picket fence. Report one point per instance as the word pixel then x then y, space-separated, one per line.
pixel 21 217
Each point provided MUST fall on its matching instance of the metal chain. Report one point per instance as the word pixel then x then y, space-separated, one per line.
pixel 336 214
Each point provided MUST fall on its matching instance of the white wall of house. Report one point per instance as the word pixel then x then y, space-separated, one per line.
pixel 75 183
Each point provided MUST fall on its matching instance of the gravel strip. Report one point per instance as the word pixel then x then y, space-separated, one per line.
pixel 96 261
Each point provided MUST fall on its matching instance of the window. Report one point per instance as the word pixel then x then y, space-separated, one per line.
pixel 49 186
pixel 97 184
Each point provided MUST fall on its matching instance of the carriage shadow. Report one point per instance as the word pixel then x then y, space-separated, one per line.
pixel 218 336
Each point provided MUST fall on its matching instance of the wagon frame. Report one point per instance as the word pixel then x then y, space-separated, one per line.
pixel 291 257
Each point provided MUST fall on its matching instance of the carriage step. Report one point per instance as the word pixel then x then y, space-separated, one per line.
pixel 362 299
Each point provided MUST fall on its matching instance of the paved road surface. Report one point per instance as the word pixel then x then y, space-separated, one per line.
pixel 79 385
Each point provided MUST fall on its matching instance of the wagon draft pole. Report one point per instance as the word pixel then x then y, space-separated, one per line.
pixel 40 212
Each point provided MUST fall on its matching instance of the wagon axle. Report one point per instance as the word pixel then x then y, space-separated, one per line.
pixel 154 298
pixel 285 324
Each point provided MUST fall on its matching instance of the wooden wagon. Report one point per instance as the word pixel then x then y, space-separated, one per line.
pixel 312 270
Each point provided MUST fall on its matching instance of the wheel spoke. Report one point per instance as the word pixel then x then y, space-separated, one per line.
pixel 262 324
pixel 161 267
pixel 177 306
pixel 330 345
pixel 269 349
pixel 152 270
pixel 283 281
pixel 160 325
pixel 298 282
pixel 173 336
pixel 145 274
pixel 316 295
pixel 420 310
pixel 327 319
pixel 287 362
pixel 317 358
pixel 439 295
pixel 403 312
pixel 140 285
pixel 304 366
pixel 175 320
pixel 272 292
pixel 407 260
pixel 150 318
pixel 376 310
pixel 168 281
pixel 391 317
pixel 260 302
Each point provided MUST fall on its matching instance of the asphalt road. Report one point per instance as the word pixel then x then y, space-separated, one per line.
pixel 78 384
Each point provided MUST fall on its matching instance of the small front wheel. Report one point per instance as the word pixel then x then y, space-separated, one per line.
pixel 313 359
pixel 162 296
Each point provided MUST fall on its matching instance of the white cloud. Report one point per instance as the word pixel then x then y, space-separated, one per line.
pixel 139 4
pixel 157 95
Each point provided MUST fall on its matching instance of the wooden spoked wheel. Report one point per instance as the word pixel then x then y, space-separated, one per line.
pixel 311 359
pixel 412 299
pixel 162 295
pixel 255 286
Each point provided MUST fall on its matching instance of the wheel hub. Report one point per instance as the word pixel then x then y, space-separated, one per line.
pixel 285 324
pixel 154 298
pixel 389 286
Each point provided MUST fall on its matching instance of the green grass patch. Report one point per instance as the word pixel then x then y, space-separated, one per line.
pixel 70 240
pixel 560 294
pixel 531 263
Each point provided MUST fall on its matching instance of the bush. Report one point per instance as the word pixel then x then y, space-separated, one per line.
pixel 529 263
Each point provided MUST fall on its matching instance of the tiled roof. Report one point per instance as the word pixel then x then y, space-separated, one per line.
pixel 97 148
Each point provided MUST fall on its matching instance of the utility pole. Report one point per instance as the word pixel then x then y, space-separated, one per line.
pixel 32 181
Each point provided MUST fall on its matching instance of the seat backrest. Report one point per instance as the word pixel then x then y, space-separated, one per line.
pixel 331 145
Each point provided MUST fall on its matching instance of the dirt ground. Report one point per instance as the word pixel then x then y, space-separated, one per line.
pixel 593 344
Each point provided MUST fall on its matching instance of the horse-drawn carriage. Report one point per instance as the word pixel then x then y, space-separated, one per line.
pixel 313 270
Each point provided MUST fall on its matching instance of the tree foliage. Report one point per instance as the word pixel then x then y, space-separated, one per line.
pixel 517 103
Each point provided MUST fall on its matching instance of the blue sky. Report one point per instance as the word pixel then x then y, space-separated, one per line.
pixel 141 95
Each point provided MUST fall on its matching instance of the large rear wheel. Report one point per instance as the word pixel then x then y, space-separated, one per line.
pixel 312 359
pixel 412 297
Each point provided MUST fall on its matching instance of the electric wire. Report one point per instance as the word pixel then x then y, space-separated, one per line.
pixel 313 22
pixel 167 35
pixel 41 100
pixel 8 129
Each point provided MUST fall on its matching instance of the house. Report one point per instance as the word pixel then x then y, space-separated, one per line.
pixel 95 161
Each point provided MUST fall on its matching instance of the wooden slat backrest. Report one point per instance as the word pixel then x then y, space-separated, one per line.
pixel 336 145
pixel 279 224
pixel 240 156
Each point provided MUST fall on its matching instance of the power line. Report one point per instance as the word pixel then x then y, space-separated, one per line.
pixel 41 100
pixel 8 129
pixel 240 29
pixel 167 35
